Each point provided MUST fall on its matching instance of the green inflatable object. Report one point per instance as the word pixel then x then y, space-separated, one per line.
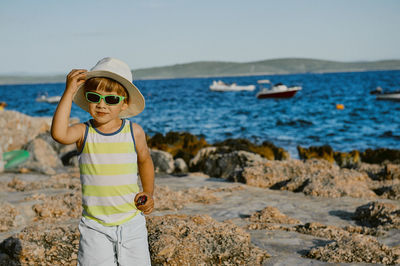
pixel 15 158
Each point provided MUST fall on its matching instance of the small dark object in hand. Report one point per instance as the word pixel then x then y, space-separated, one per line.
pixel 141 200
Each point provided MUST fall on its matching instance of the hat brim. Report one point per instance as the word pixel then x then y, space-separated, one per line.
pixel 136 100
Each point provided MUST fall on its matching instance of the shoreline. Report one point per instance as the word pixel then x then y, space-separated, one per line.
pixel 42 123
pixel 48 80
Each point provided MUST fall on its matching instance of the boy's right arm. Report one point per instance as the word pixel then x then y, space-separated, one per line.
pixel 60 129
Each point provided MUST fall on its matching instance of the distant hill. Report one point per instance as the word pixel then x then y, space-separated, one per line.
pixel 28 79
pixel 275 66
pixel 215 69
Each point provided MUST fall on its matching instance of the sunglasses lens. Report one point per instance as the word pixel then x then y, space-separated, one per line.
pixel 91 97
pixel 111 99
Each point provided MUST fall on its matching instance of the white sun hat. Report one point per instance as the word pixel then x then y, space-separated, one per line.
pixel 119 71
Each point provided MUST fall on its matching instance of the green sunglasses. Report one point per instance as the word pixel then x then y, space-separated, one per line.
pixel 93 97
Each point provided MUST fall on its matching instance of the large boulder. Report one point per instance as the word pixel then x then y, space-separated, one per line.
pixel 16 129
pixel 66 153
pixel 43 158
pixel 163 161
pixel 221 162
pixel 313 177
pixel 60 149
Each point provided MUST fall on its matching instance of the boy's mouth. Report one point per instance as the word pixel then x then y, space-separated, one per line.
pixel 101 113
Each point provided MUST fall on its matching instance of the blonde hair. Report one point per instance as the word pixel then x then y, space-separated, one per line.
pixel 107 85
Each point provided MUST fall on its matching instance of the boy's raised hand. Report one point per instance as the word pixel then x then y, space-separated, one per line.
pixel 75 78
pixel 147 206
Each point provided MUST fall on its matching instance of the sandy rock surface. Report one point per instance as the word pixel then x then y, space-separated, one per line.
pixel 199 239
pixel 214 219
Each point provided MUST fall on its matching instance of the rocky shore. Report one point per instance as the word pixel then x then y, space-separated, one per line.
pixel 227 203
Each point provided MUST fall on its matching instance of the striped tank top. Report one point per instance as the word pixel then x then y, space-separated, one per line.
pixel 108 167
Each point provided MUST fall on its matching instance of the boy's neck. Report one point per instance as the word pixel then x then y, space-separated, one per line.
pixel 109 127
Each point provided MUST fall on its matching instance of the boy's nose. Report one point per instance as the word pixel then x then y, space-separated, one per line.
pixel 101 103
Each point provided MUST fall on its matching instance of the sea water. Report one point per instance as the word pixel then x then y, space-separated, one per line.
pixel 310 118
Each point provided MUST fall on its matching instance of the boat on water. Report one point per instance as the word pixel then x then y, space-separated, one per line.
pixel 47 99
pixel 388 95
pixel 279 90
pixel 391 96
pixel 222 86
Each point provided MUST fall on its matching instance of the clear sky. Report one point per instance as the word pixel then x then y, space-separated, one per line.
pixel 53 36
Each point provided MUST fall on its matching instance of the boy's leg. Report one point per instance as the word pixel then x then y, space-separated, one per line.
pixel 134 244
pixel 96 245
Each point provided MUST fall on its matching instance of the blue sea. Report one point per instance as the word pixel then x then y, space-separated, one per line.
pixel 310 118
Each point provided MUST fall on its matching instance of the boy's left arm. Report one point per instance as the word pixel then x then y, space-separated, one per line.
pixel 146 170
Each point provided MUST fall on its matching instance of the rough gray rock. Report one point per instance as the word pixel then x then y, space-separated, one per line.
pixel 375 214
pixel 180 167
pixel 163 161
pixel 43 158
pixel 216 162
pixel 16 129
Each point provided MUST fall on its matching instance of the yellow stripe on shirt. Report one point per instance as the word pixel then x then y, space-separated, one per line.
pixel 121 147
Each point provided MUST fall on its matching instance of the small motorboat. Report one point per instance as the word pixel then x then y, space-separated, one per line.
pixel 47 99
pixel 391 96
pixel 278 90
pixel 222 86
pixel 387 95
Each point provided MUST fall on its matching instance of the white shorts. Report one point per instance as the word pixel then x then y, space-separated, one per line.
pixel 125 244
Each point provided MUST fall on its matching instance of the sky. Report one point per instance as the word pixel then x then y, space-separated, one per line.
pixel 53 36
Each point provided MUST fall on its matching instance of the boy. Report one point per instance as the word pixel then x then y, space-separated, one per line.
pixel 112 151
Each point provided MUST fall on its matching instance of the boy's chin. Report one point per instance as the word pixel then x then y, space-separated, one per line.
pixel 102 118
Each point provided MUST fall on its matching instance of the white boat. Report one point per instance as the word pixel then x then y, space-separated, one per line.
pixel 386 95
pixel 278 90
pixel 392 96
pixel 51 99
pixel 222 86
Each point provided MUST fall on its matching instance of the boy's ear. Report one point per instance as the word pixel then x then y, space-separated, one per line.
pixel 124 106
